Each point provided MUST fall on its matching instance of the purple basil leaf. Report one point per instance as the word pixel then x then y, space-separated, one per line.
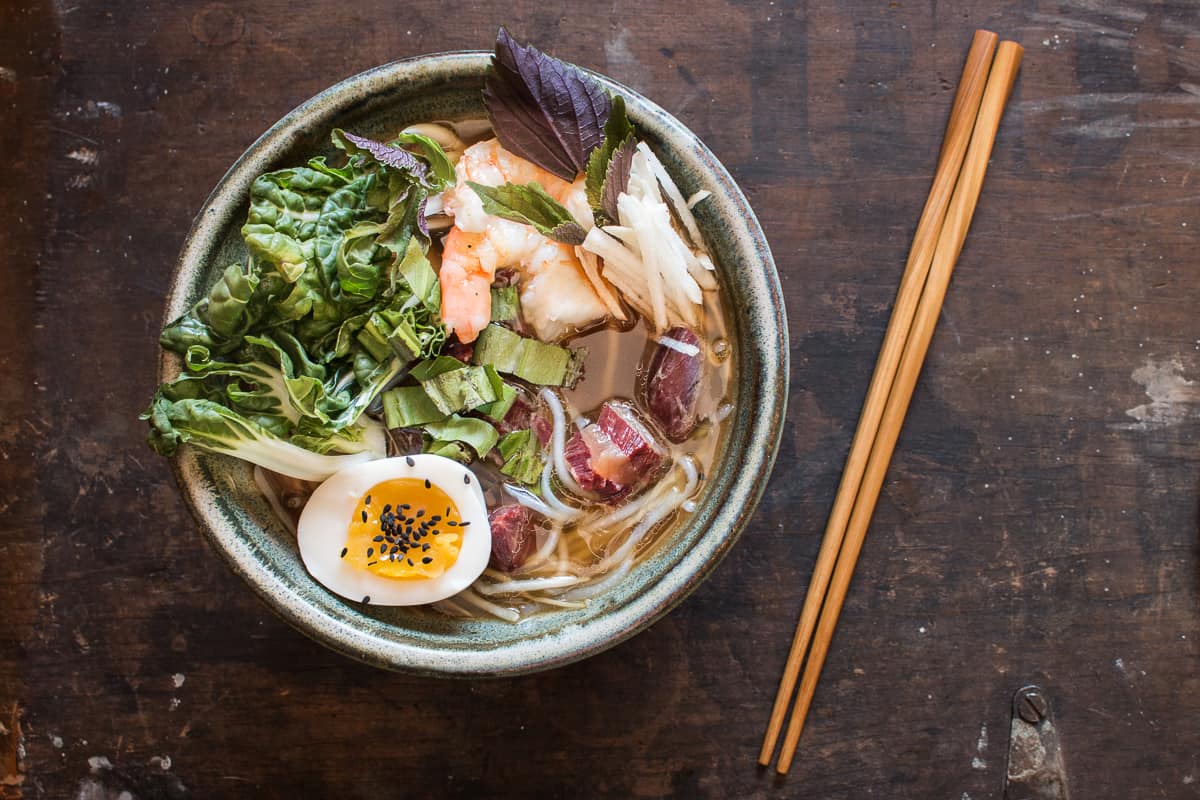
pixel 616 178
pixel 544 110
pixel 389 156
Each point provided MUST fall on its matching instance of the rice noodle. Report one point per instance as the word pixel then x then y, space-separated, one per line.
pixel 565 511
pixel 703 194
pixel 628 510
pixel 598 587
pixel 507 614
pixel 554 601
pixel 528 585
pixel 531 501
pixel 545 550
pixel 558 441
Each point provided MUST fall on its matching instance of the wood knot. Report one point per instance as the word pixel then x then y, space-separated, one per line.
pixel 217 25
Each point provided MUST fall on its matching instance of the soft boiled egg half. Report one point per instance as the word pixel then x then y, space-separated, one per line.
pixel 398 531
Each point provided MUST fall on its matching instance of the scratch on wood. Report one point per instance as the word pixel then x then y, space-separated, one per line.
pixel 1173 398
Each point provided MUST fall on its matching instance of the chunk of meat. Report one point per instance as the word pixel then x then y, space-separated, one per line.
pixel 527 413
pixel 615 455
pixel 673 387
pixel 514 536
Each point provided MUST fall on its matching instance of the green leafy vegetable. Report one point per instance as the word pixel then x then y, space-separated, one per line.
pixel 522 458
pixel 477 434
pixel 506 304
pixel 539 363
pixel 409 407
pixel 335 301
pixel 212 426
pixel 531 205
pixel 542 109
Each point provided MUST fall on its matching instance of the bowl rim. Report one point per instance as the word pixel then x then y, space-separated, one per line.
pixel 611 626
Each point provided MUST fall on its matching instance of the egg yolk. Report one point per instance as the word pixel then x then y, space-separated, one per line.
pixel 404 528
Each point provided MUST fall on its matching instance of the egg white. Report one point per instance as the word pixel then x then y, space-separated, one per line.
pixel 324 525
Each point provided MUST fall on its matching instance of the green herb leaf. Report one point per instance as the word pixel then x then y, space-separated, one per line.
pixel 531 205
pixel 618 138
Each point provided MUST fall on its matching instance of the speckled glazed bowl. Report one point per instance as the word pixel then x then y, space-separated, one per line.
pixel 238 522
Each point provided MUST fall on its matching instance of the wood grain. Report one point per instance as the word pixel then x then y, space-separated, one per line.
pixel 1038 522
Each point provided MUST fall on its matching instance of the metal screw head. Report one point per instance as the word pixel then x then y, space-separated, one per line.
pixel 1031 706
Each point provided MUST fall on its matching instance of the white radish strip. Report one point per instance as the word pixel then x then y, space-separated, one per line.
pixel 695 273
pixel 600 586
pixel 564 511
pixel 706 262
pixel 531 501
pixel 633 214
pixel 675 257
pixel 530 585
pixel 672 191
pixel 679 347
pixel 506 614
pixel 268 491
pixel 591 269
pixel 703 194
pixel 559 441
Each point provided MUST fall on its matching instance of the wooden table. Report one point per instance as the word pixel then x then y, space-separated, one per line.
pixel 1039 523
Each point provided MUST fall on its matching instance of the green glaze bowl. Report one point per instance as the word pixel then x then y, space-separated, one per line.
pixel 221 492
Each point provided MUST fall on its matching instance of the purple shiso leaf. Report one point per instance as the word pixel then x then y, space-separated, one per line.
pixel 422 222
pixel 616 177
pixel 387 155
pixel 544 110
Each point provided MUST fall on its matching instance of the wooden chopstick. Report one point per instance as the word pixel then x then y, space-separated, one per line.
pixel 949 245
pixel 958 132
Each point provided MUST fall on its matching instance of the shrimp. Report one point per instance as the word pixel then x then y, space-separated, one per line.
pixel 556 294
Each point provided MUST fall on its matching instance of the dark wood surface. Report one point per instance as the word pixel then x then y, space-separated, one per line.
pixel 1039 523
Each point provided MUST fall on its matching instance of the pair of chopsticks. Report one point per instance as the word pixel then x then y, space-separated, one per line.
pixel 974 118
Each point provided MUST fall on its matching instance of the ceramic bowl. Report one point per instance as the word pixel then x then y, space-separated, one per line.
pixel 237 521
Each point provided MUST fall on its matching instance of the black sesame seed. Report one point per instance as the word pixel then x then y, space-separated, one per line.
pixel 372 563
pixel 406 506
pixel 364 516
pixel 410 563
pixel 425 547
pixel 367 501
pixel 420 513
pixel 371 551
pixel 387 508
pixel 447 511
pixel 467 479
pixel 366 598
pixel 410 461
pixel 428 485
pixel 426 560
pixel 436 518
pixel 377 538
pixel 344 551
pixel 452 524
pixel 463 524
